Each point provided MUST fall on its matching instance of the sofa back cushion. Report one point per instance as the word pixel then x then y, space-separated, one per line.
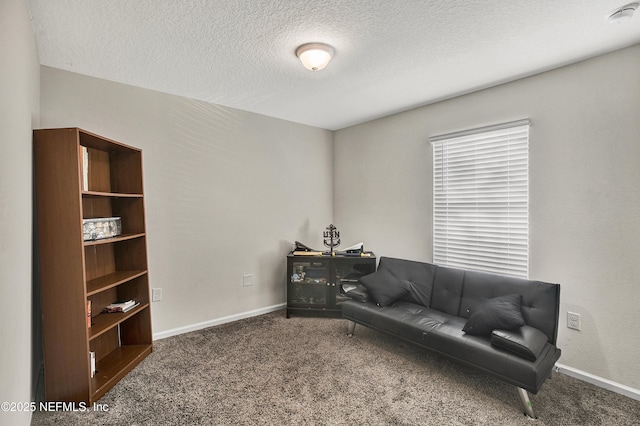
pixel 417 278
pixel 540 301
pixel 447 290
pixel 458 291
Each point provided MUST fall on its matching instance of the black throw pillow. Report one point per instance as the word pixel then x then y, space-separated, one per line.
pixel 384 287
pixel 525 341
pixel 498 313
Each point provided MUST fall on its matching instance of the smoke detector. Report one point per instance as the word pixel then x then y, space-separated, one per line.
pixel 622 14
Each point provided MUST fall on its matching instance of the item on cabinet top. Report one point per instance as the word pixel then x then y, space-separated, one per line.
pixel 102 227
pixel 308 253
pixel 356 248
pixel 301 247
pixel 331 237
pixel 302 250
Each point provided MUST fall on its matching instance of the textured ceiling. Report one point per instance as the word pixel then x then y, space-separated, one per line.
pixel 389 55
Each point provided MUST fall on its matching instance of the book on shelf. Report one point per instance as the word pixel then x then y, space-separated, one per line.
pixel 92 357
pixel 123 306
pixel 85 168
pixel 88 313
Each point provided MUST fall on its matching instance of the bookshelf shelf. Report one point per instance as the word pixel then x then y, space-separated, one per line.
pixel 103 322
pixel 123 237
pixel 115 366
pixel 80 175
pixel 109 194
pixel 114 279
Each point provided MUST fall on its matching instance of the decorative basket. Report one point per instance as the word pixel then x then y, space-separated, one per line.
pixel 101 227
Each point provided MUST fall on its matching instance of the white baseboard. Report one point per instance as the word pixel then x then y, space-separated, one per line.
pixel 599 381
pixel 217 321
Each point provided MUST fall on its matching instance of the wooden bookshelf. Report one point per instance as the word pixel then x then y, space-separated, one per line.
pixel 72 186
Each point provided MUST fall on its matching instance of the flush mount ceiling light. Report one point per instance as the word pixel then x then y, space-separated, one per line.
pixel 314 56
pixel 622 14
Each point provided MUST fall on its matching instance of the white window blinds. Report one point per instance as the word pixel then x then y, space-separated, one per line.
pixel 481 199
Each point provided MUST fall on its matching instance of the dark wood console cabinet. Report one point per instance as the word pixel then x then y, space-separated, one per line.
pixel 316 285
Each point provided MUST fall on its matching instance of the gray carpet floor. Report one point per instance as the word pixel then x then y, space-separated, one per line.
pixel 269 370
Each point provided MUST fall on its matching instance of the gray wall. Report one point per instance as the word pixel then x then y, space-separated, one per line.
pixel 19 91
pixel 227 192
pixel 584 194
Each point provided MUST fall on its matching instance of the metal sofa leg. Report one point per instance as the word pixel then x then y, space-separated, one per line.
pixel 351 328
pixel 528 409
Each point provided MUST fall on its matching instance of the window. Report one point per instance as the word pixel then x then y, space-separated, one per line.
pixel 481 199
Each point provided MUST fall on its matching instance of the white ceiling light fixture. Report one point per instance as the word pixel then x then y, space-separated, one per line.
pixel 622 14
pixel 314 56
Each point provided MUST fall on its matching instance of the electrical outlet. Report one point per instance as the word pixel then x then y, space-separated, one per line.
pixel 156 294
pixel 573 320
pixel 247 280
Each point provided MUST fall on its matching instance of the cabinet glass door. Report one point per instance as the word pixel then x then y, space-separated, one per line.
pixel 309 284
pixel 347 273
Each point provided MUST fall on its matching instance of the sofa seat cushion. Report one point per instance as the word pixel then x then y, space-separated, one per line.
pixel 404 319
pixel 443 333
pixel 529 375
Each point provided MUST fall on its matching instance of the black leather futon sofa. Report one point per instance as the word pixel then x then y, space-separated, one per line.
pixel 504 326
